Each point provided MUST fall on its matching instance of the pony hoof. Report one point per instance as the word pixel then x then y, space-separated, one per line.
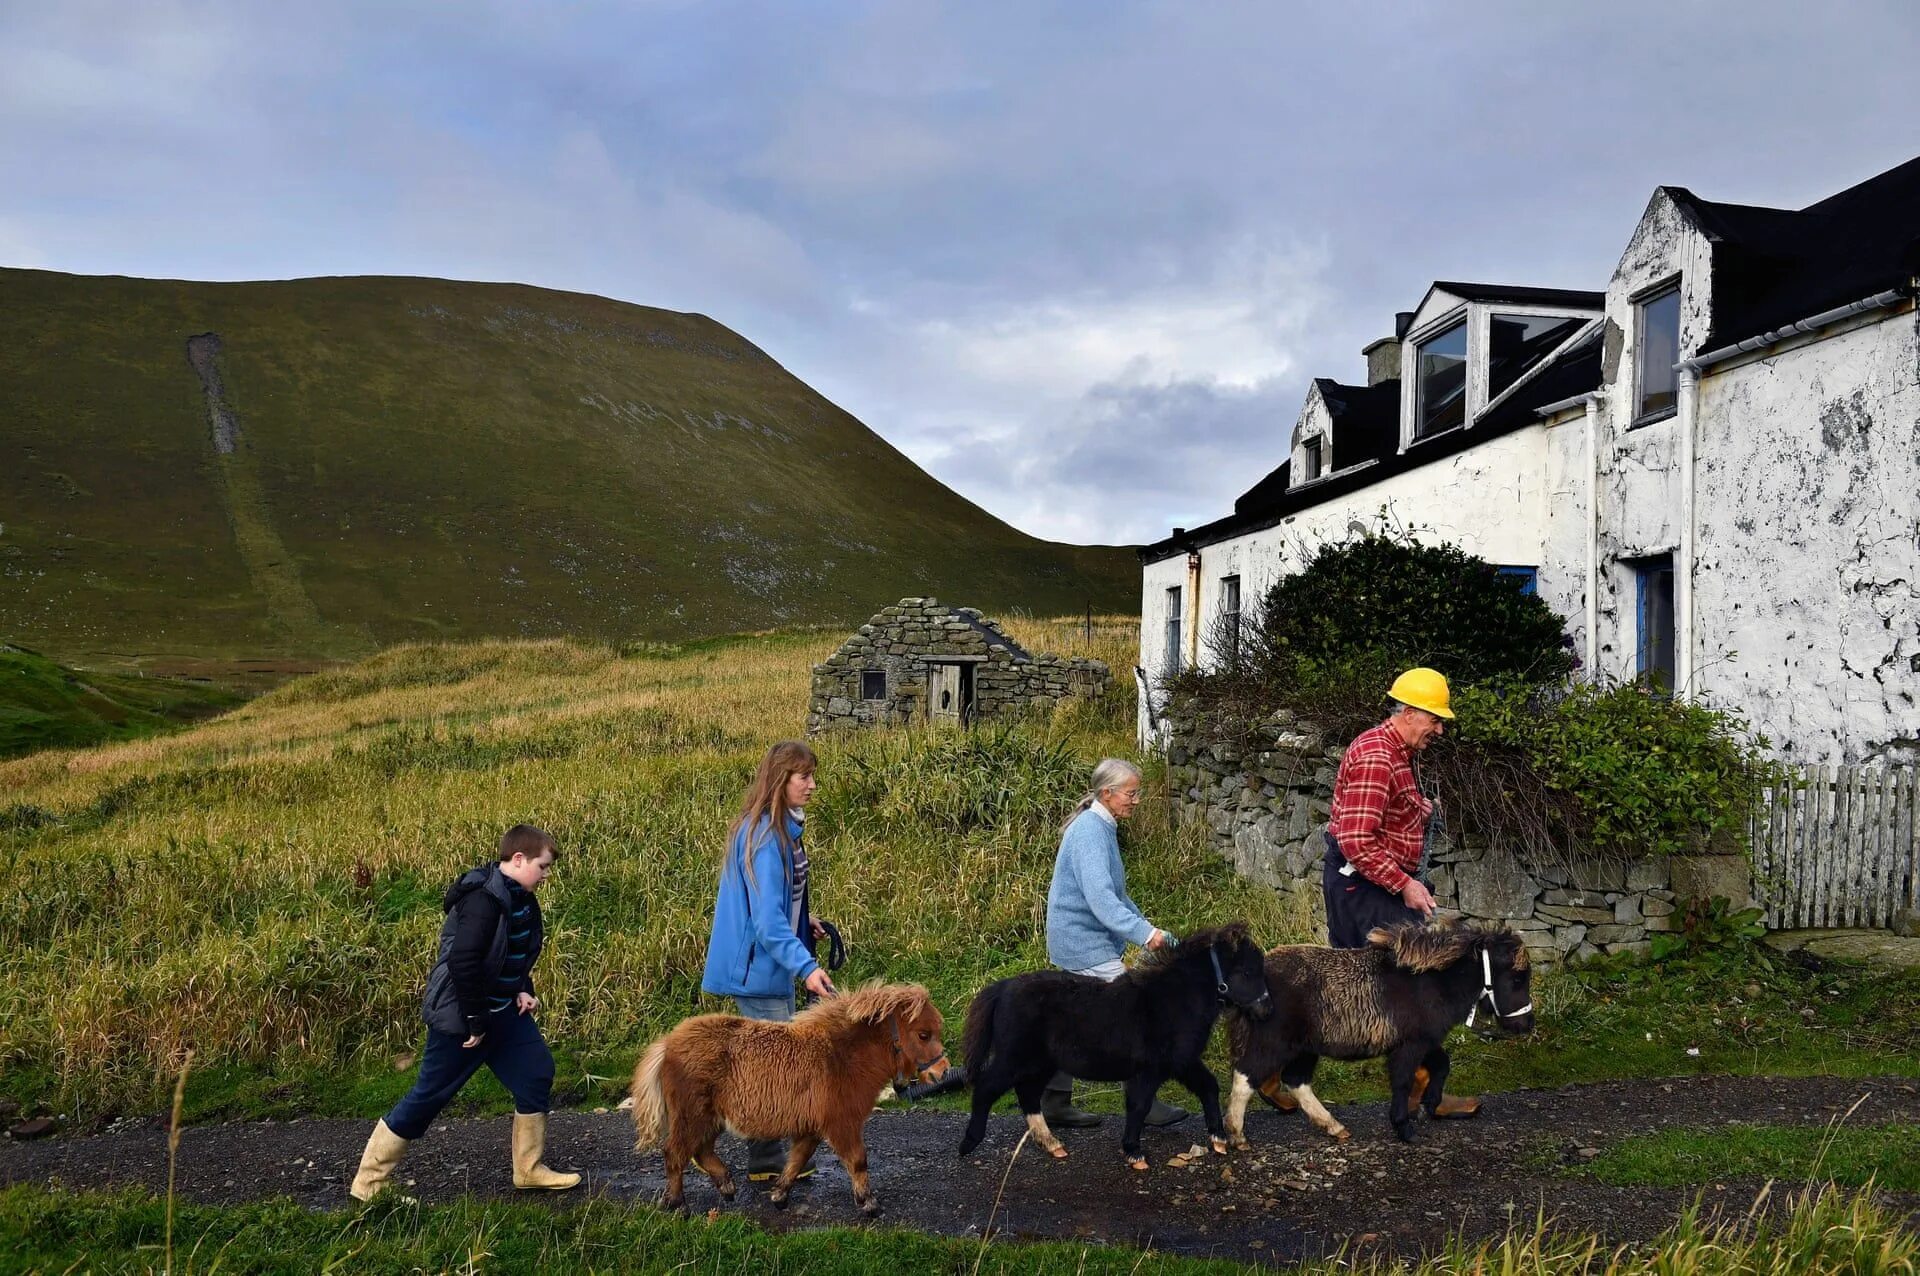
pixel 778 1200
pixel 1341 1133
pixel 1137 1163
pixel 1240 1143
pixel 871 1209
pixel 675 1207
pixel 1057 1152
pixel 728 1192
pixel 1219 1146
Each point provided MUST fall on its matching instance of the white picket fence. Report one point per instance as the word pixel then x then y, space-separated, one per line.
pixel 1838 846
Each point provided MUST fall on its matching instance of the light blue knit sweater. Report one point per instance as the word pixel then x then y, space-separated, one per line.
pixel 1090 917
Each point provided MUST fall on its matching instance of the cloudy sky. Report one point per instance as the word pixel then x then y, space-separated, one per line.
pixel 1077 259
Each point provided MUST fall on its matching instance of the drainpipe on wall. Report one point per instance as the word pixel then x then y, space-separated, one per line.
pixel 1192 632
pixel 1689 409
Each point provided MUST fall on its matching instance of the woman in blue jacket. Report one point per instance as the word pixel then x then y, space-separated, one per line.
pixel 762 911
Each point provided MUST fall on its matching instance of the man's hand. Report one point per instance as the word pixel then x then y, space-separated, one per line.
pixel 1159 938
pixel 473 1041
pixel 1416 896
pixel 527 1002
pixel 820 984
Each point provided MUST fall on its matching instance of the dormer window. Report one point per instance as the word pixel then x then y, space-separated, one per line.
pixel 1440 363
pixel 1313 459
pixel 1657 349
pixel 1515 343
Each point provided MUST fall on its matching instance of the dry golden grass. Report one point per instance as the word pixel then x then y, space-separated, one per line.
pixel 264 889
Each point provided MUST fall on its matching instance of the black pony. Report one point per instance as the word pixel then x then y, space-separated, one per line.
pixel 1399 996
pixel 1150 1024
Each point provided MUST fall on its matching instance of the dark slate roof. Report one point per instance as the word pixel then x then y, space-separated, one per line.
pixel 1772 266
pixel 1521 295
pixel 1375 411
pixel 1366 421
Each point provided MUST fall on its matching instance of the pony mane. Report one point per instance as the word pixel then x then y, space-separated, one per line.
pixel 872 1002
pixel 1422 949
pixel 1232 935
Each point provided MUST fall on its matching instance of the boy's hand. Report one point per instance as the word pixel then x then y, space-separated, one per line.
pixel 473 1041
pixel 527 1002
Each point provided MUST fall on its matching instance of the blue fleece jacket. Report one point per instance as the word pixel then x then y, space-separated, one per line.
pixel 754 951
pixel 1090 917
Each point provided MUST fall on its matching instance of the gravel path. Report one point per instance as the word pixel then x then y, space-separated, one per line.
pixel 1295 1195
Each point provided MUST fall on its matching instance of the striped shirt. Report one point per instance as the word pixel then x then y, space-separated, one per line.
pixel 513 970
pixel 1379 817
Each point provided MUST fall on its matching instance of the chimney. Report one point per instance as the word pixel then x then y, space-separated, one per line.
pixel 1383 359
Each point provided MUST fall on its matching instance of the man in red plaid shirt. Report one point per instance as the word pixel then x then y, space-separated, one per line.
pixel 1377 836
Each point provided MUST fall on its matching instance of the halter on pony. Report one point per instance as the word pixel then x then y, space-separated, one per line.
pixel 1486 994
pixel 1220 981
pixel 904 1077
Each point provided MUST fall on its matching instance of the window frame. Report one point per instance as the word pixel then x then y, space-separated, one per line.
pixel 1172 661
pixel 866 677
pixel 1529 577
pixel 1315 450
pixel 1641 301
pixel 1230 616
pixel 1646 575
pixel 1461 322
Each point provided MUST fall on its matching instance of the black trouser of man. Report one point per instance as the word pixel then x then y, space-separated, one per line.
pixel 1356 905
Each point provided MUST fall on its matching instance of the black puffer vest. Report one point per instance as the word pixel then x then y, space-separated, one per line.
pixel 473 948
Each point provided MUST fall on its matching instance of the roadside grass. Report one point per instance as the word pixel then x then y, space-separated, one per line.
pixel 1825 1231
pixel 1886 1156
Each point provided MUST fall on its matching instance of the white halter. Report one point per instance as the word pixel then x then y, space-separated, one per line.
pixel 1486 995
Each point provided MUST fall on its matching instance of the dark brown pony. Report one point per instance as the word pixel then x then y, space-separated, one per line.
pixel 1399 996
pixel 812 1079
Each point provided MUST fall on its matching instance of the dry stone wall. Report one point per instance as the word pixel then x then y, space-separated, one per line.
pixel 903 642
pixel 1266 802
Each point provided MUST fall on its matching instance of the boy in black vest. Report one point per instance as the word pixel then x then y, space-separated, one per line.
pixel 479 1010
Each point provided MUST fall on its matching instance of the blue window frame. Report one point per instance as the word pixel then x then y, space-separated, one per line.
pixel 1653 604
pixel 1528 577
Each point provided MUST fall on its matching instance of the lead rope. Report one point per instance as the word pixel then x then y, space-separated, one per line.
pixel 1486 995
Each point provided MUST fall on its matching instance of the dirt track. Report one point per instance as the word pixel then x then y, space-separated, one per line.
pixel 1296 1194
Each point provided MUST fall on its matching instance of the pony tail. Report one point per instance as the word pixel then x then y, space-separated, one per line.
pixel 649 1103
pixel 977 1039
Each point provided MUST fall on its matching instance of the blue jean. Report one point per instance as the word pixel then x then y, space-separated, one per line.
pixel 765 1154
pixel 513 1048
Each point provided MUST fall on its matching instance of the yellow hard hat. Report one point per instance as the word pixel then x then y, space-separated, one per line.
pixel 1423 689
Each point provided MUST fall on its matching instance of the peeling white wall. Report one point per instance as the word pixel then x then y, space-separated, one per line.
pixel 1809 544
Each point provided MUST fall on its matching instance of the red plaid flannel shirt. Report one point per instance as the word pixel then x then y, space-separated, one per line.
pixel 1379 817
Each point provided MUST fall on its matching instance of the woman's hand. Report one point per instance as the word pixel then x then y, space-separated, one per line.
pixel 820 984
pixel 819 928
pixel 1159 938
pixel 527 1002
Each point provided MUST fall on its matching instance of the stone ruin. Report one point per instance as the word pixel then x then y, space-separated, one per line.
pixel 921 661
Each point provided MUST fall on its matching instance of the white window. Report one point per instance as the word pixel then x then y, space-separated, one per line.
pixel 1230 618
pixel 1172 661
pixel 1312 459
pixel 1440 364
pixel 1657 347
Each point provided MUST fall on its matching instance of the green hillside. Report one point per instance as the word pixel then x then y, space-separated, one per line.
pixel 44 705
pixel 348 463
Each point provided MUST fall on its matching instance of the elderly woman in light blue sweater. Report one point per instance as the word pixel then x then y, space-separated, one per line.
pixel 1090 917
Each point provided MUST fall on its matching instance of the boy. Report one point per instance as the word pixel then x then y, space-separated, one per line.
pixel 479 1010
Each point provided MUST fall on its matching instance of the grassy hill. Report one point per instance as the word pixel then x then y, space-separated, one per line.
pixel 44 705
pixel 200 474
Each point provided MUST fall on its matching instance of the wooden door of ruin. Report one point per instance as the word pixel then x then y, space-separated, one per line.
pixel 949 694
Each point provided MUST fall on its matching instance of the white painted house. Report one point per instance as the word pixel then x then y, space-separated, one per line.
pixel 1711 468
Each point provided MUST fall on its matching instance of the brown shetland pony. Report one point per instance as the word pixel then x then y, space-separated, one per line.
pixel 808 1080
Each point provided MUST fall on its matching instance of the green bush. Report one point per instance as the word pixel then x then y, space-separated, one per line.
pixel 1530 763
pixel 1418 604
pixel 1640 773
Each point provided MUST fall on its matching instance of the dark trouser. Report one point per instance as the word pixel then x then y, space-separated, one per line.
pixel 513 1048
pixel 1356 905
